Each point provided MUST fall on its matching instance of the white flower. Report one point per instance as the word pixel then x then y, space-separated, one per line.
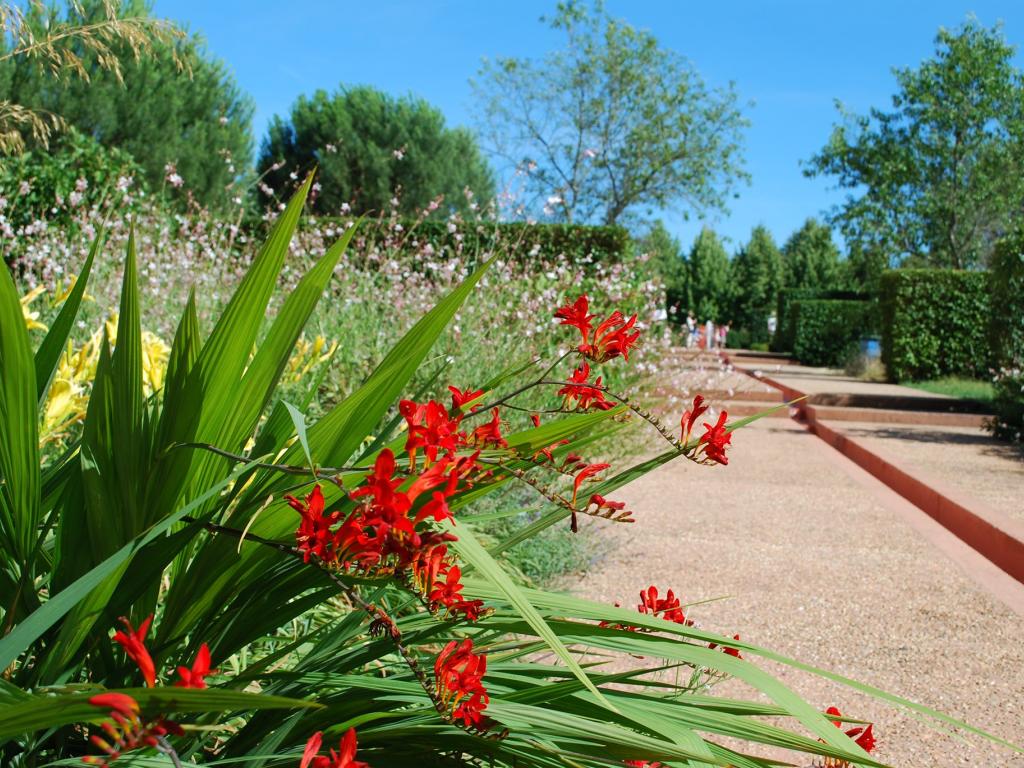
pixel 24 188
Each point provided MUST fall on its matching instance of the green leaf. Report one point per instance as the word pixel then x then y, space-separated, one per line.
pixel 300 431
pixel 50 350
pixel 41 712
pixel 470 550
pixel 19 438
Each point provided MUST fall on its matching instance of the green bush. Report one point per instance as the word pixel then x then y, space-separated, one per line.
pixel 934 323
pixel 578 243
pixel 785 330
pixel 73 175
pixel 1006 335
pixel 826 331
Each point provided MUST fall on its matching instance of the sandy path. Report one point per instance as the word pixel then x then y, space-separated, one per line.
pixel 819 568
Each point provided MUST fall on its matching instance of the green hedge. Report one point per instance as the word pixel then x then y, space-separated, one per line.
pixel 579 242
pixel 827 331
pixel 934 323
pixel 1006 335
pixel 785 329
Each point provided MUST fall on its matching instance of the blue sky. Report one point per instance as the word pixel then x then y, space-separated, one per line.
pixel 791 58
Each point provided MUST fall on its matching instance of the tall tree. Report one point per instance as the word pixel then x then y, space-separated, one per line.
pixel 368 145
pixel 756 276
pixel 612 124
pixel 177 106
pixel 810 259
pixel 709 278
pixel 936 180
pixel 671 266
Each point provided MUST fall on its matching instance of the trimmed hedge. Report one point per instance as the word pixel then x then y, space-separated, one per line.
pixel 604 245
pixel 934 323
pixel 827 331
pixel 1006 335
pixel 785 329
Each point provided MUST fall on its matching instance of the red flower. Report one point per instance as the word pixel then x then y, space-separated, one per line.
pixel 643 764
pixel 458 678
pixel 716 439
pixel 126 730
pixel 461 397
pixel 314 535
pixel 586 396
pixel 132 642
pixel 575 314
pixel 535 418
pixel 667 608
pixel 431 427
pixel 611 338
pixel 863 737
pixel 490 432
pixel 726 649
pixel 195 677
pixel 343 758
pixel 588 471
pixel 690 418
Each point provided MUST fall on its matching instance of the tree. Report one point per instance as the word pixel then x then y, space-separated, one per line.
pixel 709 277
pixel 810 259
pixel 177 106
pixel 756 274
pixel 935 181
pixel 37 38
pixel 368 145
pixel 611 124
pixel 670 265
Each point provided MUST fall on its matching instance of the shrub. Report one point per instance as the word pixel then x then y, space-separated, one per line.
pixel 1006 335
pixel 785 328
pixel 578 244
pixel 75 174
pixel 826 331
pixel 934 323
pixel 347 606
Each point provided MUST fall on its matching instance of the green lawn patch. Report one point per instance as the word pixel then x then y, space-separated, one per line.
pixel 953 386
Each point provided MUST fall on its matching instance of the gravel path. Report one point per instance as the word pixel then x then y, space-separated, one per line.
pixel 966 459
pixel 819 568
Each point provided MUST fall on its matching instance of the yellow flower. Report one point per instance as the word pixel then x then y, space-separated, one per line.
pixel 32 318
pixel 308 356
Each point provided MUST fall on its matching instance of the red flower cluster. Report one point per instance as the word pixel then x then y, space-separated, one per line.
pixel 458 677
pixel 667 608
pixel 127 729
pixel 385 533
pixel 643 764
pixel 585 396
pixel 345 757
pixel 716 438
pixel 610 339
pixel 862 737
pixel 439 580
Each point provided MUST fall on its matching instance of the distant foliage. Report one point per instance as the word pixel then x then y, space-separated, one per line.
pixel 934 323
pixel 1006 335
pixel 178 111
pixel 937 179
pixel 827 331
pixel 785 331
pixel 756 279
pixel 709 278
pixel 368 144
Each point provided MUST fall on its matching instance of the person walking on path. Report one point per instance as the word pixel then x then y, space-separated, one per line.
pixel 709 335
pixel 691 330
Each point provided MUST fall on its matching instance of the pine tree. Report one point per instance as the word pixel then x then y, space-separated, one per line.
pixel 810 258
pixel 756 281
pixel 709 278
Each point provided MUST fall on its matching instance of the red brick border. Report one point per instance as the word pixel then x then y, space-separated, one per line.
pixel 991 533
